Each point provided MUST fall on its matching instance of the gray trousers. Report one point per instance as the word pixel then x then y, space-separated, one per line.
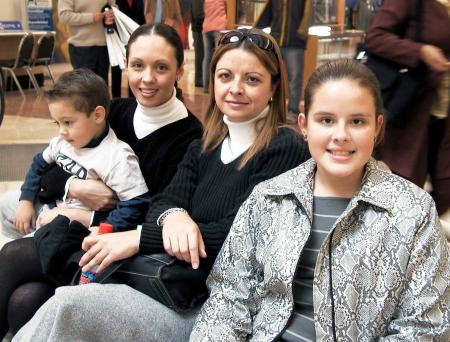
pixel 95 312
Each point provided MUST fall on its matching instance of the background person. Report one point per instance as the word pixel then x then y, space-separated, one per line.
pixel 197 16
pixel 163 11
pixel 336 248
pixel 421 145
pixel 87 44
pixel 214 22
pixel 289 23
pixel 135 10
pixel 244 143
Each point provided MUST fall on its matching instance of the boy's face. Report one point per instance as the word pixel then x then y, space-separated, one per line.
pixel 76 127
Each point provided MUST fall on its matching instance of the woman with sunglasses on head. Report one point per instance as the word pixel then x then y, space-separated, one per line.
pixel 244 143
pixel 338 248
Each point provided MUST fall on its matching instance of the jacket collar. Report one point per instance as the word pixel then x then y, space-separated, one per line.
pixel 376 187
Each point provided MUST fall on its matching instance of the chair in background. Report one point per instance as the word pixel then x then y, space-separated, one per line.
pixel 45 48
pixel 23 60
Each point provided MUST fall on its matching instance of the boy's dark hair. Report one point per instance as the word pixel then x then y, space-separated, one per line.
pixel 83 87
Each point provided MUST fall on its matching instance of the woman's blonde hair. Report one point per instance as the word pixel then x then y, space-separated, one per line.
pixel 216 130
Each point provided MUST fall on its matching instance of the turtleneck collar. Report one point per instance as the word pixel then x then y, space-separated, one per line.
pixel 148 119
pixel 96 141
pixel 241 135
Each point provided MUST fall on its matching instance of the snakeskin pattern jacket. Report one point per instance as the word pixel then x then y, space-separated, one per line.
pixel 389 264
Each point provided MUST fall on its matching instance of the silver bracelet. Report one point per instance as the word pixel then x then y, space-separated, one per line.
pixel 162 217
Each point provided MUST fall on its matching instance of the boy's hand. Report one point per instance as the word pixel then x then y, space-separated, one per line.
pixel 25 217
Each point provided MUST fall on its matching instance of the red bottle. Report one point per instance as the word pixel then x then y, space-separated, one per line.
pixel 87 277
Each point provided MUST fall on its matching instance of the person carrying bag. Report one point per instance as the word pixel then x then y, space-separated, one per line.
pixel 420 146
pixel 399 83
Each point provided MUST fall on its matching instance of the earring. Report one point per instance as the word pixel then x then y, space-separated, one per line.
pixel 305 137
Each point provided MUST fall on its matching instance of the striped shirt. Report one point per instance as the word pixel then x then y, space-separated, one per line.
pixel 326 211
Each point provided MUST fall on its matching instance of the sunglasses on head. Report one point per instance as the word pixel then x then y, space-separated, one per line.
pixel 239 36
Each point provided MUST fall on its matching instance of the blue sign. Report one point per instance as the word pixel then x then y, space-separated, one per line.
pixel 11 26
pixel 40 19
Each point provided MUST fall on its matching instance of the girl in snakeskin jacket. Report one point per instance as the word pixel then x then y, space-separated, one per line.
pixel 380 262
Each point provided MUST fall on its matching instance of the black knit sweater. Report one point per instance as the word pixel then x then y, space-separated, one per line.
pixel 212 192
pixel 161 151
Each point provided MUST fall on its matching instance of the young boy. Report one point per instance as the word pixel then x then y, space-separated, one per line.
pixel 88 149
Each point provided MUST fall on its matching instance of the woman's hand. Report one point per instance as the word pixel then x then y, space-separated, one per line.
pixel 182 238
pixel 104 249
pixel 433 57
pixel 93 194
pixel 25 217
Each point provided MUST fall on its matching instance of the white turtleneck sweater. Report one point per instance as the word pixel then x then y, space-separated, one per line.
pixel 241 135
pixel 148 119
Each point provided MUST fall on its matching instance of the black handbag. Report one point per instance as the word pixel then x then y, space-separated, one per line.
pixel 399 84
pixel 166 279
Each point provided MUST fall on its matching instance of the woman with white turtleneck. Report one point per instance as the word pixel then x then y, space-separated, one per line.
pixel 243 144
pixel 156 125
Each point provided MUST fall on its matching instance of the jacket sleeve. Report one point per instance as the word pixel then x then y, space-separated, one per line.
pixel 385 37
pixel 129 214
pixel 423 312
pixel 31 185
pixel 232 283
pixel 305 23
pixel 68 16
pixel 178 194
pixel 265 18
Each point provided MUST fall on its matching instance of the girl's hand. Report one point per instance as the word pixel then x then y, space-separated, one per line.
pixel 93 194
pixel 104 249
pixel 25 217
pixel 182 238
